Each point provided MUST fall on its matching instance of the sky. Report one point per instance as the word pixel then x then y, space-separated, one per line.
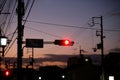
pixel 70 19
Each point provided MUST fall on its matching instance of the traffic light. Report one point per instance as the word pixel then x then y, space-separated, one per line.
pixel 64 42
pixel 7 73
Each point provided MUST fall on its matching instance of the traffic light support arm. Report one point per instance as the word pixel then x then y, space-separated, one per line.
pixel 45 42
pixel 49 42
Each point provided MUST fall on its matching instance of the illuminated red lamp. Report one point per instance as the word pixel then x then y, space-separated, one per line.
pixel 66 42
pixel 7 73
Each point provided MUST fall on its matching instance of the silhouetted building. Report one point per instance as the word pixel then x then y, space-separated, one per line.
pixel 51 73
pixel 73 61
pixel 78 60
pixel 112 65
pixel 81 68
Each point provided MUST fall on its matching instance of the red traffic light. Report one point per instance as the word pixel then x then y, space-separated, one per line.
pixel 7 73
pixel 66 42
pixel 63 42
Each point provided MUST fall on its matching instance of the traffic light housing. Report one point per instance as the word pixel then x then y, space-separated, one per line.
pixel 64 42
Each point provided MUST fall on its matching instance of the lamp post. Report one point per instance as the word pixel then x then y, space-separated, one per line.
pixel 3 43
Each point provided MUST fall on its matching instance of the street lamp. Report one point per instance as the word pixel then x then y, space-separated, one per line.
pixel 3 43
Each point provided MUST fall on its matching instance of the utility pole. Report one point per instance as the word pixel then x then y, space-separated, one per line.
pixel 19 39
pixel 101 44
pixel 102 48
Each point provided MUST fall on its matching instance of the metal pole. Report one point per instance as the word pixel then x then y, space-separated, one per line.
pixel 3 51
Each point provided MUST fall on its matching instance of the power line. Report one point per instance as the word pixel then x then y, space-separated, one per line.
pixel 42 32
pixel 11 17
pixel 69 26
pixel 27 4
pixel 4 19
pixel 29 12
pixel 114 30
pixel 8 25
pixel 8 48
pixel 2 5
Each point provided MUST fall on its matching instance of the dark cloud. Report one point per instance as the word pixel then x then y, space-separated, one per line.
pixel 116 14
pixel 50 57
pixel 115 50
pixel 54 57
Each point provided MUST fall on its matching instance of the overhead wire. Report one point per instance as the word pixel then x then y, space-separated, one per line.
pixel 8 25
pixel 43 32
pixel 6 50
pixel 2 5
pixel 3 20
pixel 13 34
pixel 29 12
pixel 11 17
pixel 27 4
pixel 8 4
pixel 11 43
pixel 70 26
pixel 23 24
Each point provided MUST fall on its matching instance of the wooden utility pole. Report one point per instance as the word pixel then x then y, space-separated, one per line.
pixel 19 40
pixel 102 48
pixel 101 43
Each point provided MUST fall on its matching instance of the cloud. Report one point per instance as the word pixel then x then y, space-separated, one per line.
pixel 51 59
pixel 58 63
pixel 54 57
pixel 114 50
pixel 116 14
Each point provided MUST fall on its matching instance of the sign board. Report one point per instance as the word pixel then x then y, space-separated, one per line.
pixel 34 43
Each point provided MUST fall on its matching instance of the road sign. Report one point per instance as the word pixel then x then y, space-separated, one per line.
pixel 34 43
